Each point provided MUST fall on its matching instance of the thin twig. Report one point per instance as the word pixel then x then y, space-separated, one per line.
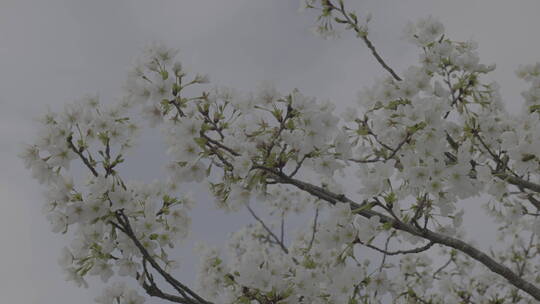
pixel 385 254
pixel 409 251
pixel 282 235
pixel 363 35
pixel 278 241
pixel 443 267
pixel 314 229
pixel 81 155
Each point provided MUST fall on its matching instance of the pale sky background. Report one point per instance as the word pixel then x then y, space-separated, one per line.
pixel 55 51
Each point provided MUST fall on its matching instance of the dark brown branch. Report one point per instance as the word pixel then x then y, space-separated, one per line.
pixel 153 290
pixel 298 165
pixel 514 178
pixel 434 237
pixel 516 181
pixel 365 161
pixel 398 252
pixel 81 155
pixel 364 37
pixel 217 143
pixel 378 57
pixel 181 288
pixel 399 146
pixel 124 222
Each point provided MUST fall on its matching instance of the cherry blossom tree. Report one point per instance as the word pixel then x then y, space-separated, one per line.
pixel 417 143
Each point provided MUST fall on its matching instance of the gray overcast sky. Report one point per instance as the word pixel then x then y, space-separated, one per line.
pixel 55 51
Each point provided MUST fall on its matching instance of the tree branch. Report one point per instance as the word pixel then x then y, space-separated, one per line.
pixel 513 179
pixel 153 290
pixel 363 35
pixel 81 155
pixel 434 237
pixel 414 250
pixel 188 295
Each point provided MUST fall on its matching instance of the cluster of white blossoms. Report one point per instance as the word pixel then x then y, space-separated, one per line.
pixel 101 210
pixel 413 148
pixel 313 269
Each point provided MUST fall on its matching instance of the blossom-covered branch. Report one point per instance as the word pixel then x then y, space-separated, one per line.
pixel 389 175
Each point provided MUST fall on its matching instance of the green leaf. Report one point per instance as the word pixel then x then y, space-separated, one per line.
pixel 309 263
pixel 217 262
pixel 534 108
pixel 417 127
pixel 290 124
pixel 527 157
pixel 175 89
pixel 390 198
pixel 164 74
pixel 103 137
pixel 363 208
pixel 392 105
pixel 362 131
pixel 353 17
pixel 229 279
pixel 387 226
pixel 200 141
pixel 77 197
